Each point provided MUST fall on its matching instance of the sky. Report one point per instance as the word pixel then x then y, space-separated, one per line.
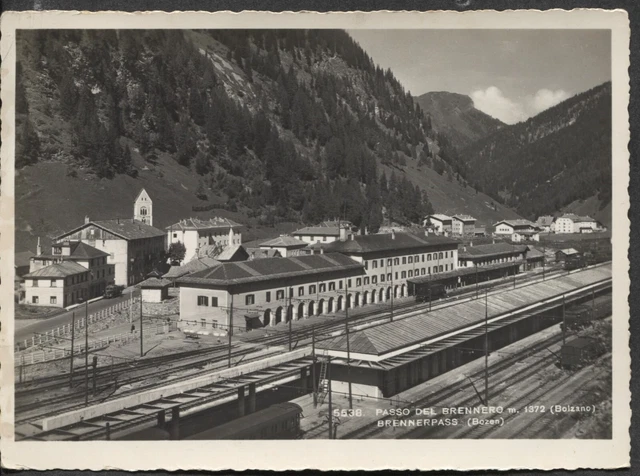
pixel 510 74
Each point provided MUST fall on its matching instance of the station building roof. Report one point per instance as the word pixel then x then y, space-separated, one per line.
pixel 362 244
pixel 384 341
pixel 465 271
pixel 268 269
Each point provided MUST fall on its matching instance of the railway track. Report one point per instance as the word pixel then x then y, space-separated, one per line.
pixel 114 385
pixel 442 396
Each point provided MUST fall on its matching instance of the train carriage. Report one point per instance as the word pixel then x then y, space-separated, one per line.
pixel 277 422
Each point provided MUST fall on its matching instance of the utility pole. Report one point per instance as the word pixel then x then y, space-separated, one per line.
pixel 346 326
pixel 313 366
pixel 564 324
pixel 486 347
pixel 95 370
pixel 544 258
pixel 141 342
pixel 476 280
pixel 392 290
pixel 290 318
pixel 73 335
pixel 330 401
pixel 230 332
pixel 86 353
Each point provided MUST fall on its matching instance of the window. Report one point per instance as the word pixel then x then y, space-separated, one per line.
pixel 440 255
pixel 312 289
pixel 35 283
pixel 35 299
pixel 349 282
pixel 323 288
pixel 411 273
pixel 410 259
pixel 340 283
pixel 429 269
pixel 268 296
pixel 446 254
pixel 332 286
pixel 404 260
pixel 143 210
pixel 389 262
pixel 374 279
pixel 279 295
pixel 396 261
pixel 441 268
pixel 203 300
pixel 53 300
pixel 429 257
pixel 214 301
pixel 359 282
pixel 416 258
pixel 396 275
pixel 203 323
pixel 249 299
pixel 366 265
pixel 324 238
pixel 374 264
pixel 366 281
pixel 214 324
pixel 301 291
pixel 382 278
pixel 389 277
pixel 381 263
pixel 424 271
pixel 423 258
pixel 403 275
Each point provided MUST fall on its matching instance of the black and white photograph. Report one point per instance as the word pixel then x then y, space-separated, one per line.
pixel 316 233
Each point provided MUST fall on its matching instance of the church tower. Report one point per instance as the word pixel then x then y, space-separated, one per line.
pixel 143 208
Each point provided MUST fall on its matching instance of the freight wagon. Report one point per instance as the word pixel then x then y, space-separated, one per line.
pixel 277 422
pixel 425 292
pixel 578 317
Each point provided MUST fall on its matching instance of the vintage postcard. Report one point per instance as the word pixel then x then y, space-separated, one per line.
pixel 315 241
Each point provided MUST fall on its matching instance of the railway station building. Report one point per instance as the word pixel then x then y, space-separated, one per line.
pixel 387 359
pixel 390 259
pixel 274 289
pixel 196 234
pixel 492 253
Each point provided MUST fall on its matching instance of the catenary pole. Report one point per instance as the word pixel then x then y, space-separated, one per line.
pixel 346 326
pixel 330 401
pixel 486 347
pixel 313 367
pixel 141 338
pixel 86 353
pixel 73 335
pixel 230 332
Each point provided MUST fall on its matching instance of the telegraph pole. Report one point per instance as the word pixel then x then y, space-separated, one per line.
pixel 141 342
pixel 544 258
pixel 290 317
pixel 330 401
pixel 564 324
pixel 486 348
pixel 86 353
pixel 73 335
pixel 313 366
pixel 346 326
pixel 476 280
pixel 392 290
pixel 230 332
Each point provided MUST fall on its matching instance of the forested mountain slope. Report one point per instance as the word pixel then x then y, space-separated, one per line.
pixel 551 160
pixel 266 126
pixel 455 116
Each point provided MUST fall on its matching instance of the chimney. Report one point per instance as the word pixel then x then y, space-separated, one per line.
pixel 86 219
pixel 38 248
pixel 393 234
pixel 343 233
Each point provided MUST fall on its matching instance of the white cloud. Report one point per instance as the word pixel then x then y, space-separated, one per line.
pixel 492 101
pixel 545 98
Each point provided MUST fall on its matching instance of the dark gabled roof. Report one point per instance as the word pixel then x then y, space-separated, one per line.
pixel 193 266
pixel 271 268
pixel 155 283
pixel 384 242
pixel 128 229
pixel 83 250
pixel 210 224
pixel 58 270
pixel 517 223
pixel 491 249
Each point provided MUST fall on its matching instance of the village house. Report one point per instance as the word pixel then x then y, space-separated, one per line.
pixel 73 271
pixel 567 253
pixel 463 225
pixel 322 234
pixel 194 234
pixel 545 222
pixel 286 246
pixel 441 223
pixel 132 246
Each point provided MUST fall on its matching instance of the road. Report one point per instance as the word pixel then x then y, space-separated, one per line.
pixel 44 325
